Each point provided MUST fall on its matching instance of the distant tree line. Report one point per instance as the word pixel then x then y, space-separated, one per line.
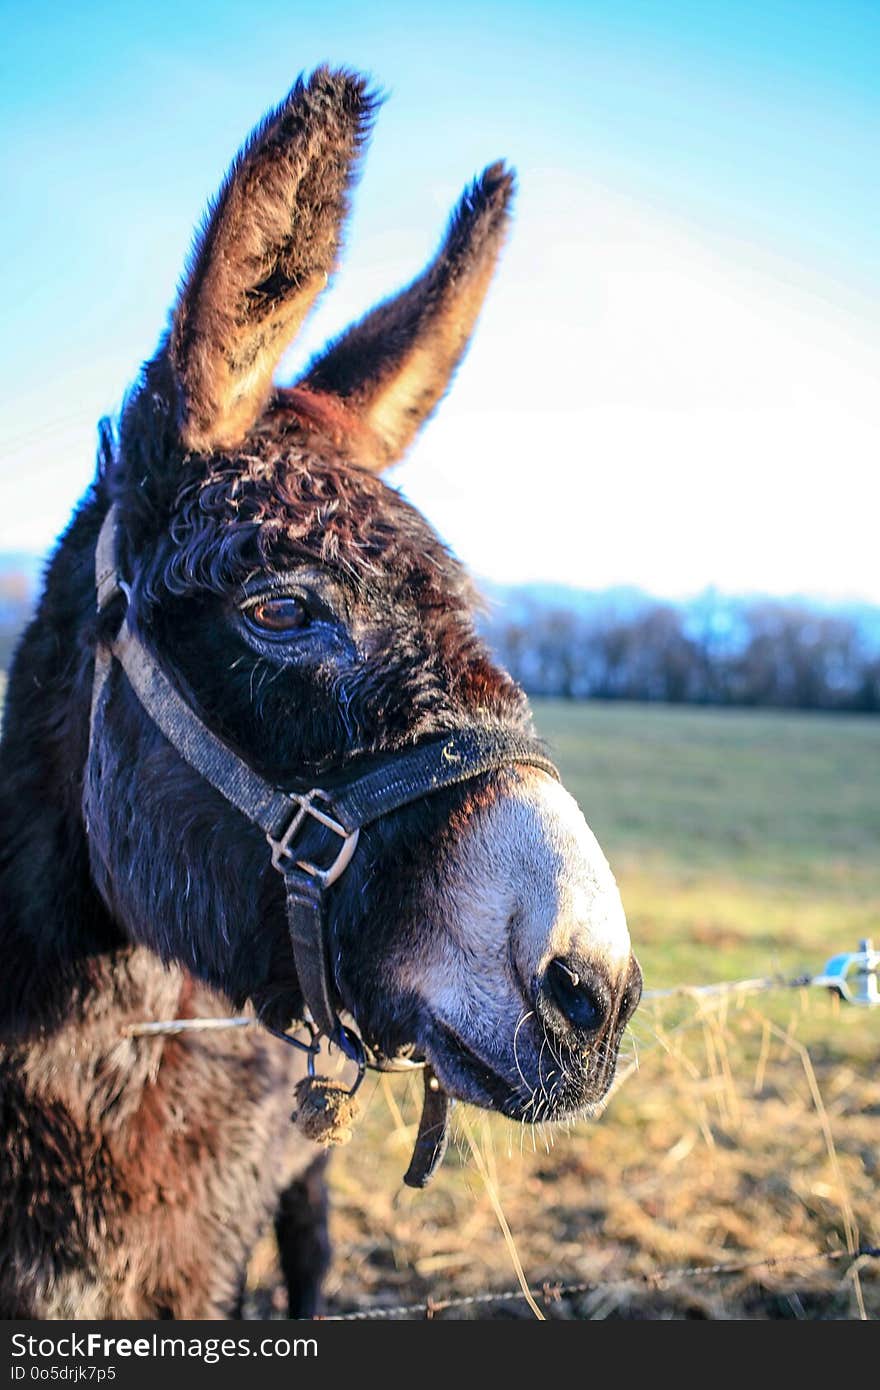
pixel 712 652
pixel 768 653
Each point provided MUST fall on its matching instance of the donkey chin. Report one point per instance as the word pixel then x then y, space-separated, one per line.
pixel 525 993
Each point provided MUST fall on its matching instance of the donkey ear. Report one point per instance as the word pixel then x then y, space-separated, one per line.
pixel 394 366
pixel 267 247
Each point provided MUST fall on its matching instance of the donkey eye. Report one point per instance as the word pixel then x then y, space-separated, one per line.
pixel 279 614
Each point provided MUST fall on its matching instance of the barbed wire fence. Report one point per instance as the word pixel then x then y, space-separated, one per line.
pixel 861 967
pixel 851 976
pixel 550 1293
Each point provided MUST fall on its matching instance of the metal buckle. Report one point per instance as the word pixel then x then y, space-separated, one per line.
pixel 282 851
pixel 351 1046
pixel 344 1038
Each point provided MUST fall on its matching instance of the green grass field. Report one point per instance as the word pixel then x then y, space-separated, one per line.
pixel 754 834
pixel 744 843
pixel 778 799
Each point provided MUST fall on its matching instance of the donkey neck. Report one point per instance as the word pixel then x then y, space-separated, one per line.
pixel 53 925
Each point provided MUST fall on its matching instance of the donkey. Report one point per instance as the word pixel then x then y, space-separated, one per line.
pixel 278 647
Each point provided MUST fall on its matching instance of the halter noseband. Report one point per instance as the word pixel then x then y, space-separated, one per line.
pixel 354 802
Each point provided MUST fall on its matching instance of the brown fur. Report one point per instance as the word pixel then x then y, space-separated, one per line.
pixel 136 1175
pixel 267 250
pixel 326 419
pixel 414 342
pixel 125 1149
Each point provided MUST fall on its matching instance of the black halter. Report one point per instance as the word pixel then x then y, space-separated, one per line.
pixel 354 801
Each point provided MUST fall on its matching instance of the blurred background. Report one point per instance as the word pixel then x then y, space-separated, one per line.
pixel 660 461
pixel 672 395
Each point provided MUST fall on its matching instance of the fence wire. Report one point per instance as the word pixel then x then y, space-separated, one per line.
pixel 756 985
pixel 551 1293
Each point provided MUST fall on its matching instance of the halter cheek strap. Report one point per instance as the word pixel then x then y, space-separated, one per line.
pixel 399 779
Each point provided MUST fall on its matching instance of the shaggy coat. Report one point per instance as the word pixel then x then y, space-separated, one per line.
pixel 137 1173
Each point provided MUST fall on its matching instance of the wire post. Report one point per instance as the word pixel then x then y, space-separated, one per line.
pixel 860 967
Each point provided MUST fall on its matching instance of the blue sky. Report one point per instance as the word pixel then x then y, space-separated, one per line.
pixel 674 381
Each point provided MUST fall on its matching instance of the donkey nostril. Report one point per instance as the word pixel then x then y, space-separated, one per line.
pixel 580 1000
pixel 632 992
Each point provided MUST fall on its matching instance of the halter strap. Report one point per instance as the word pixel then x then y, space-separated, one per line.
pixel 404 777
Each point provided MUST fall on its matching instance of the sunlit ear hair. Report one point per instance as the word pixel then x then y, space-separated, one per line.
pixel 393 367
pixel 266 250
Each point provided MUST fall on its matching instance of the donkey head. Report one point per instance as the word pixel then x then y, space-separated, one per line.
pixel 314 621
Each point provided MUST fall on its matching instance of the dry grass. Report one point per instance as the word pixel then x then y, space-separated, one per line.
pixel 750 1127
pixel 729 1144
